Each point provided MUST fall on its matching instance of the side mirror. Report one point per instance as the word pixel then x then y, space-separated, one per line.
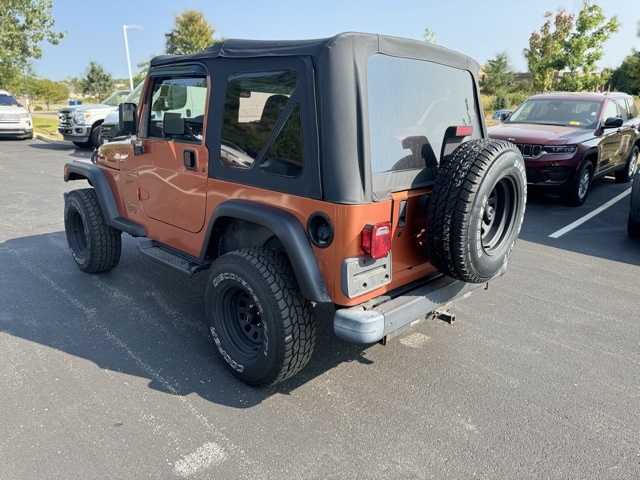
pixel 503 116
pixel 612 122
pixel 128 118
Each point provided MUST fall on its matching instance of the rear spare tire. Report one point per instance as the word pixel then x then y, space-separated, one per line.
pixel 476 209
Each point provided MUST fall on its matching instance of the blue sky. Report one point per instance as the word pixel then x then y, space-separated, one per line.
pixel 478 28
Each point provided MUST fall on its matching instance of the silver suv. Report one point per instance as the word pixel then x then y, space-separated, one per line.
pixel 15 121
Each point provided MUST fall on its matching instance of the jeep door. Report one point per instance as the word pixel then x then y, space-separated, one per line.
pixel 174 164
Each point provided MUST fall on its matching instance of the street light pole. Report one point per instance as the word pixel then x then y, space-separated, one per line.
pixel 126 47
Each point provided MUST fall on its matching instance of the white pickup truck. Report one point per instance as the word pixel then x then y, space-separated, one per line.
pixel 81 124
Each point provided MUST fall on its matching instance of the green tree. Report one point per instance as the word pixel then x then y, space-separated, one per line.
pixel 191 34
pixel 496 75
pixel 626 78
pixel 583 48
pixel 142 72
pixel 49 91
pixel 97 83
pixel 24 24
pixel 430 36
pixel 545 53
pixel 574 49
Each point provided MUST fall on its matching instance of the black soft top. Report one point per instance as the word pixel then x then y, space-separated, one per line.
pixel 339 68
pixel 360 43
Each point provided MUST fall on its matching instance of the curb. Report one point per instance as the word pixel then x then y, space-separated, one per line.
pixel 54 141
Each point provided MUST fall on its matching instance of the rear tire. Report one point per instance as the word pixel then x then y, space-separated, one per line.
pixel 476 209
pixel 262 326
pixel 83 144
pixel 95 246
pixel 626 174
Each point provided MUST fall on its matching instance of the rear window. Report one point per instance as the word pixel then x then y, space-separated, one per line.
pixel 412 103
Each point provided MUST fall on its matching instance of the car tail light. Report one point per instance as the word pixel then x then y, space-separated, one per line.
pixel 376 239
pixel 464 131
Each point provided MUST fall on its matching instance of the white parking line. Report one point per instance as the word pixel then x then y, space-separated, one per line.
pixel 580 221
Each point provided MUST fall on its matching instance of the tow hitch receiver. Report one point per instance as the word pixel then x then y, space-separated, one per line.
pixel 443 313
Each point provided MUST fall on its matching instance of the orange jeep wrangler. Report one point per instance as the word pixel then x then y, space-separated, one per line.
pixel 353 170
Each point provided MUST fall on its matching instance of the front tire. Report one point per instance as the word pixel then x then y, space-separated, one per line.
pixel 94 245
pixel 579 189
pixel 262 326
pixel 476 209
pixel 94 138
pixel 633 227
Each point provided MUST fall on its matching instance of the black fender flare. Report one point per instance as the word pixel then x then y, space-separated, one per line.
pixel 291 234
pixel 98 180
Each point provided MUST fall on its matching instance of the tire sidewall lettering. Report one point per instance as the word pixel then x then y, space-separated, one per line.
pixel 219 282
pixel 227 358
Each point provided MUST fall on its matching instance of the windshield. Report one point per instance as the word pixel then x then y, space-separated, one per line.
pixel 117 98
pixel 134 96
pixel 7 100
pixel 576 113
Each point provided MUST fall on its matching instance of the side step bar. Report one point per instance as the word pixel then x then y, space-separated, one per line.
pixel 164 256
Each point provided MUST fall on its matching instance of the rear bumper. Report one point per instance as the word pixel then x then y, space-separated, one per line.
pixel 382 317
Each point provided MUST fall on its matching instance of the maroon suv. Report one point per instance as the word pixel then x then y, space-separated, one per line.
pixel 568 139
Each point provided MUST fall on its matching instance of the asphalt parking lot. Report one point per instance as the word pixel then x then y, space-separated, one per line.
pixel 115 376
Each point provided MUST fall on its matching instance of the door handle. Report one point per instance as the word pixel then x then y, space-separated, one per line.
pixel 189 158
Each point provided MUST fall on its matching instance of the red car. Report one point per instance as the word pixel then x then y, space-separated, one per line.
pixel 568 139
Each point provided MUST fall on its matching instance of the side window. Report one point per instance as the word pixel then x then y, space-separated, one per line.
pixel 610 110
pixel 177 108
pixel 623 109
pixel 253 106
pixel 285 157
pixel 633 109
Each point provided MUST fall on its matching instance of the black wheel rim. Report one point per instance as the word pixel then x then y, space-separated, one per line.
pixel 241 321
pixel 78 236
pixel 498 215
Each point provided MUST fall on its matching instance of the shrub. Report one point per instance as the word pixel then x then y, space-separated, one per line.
pixel 500 101
pixel 516 98
pixel 37 108
pixel 487 102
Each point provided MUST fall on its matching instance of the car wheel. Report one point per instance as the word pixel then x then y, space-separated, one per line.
pixel 476 209
pixel 94 138
pixel 95 246
pixel 82 144
pixel 579 189
pixel 626 175
pixel 262 326
pixel 633 227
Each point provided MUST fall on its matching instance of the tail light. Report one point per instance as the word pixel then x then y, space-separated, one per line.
pixel 464 131
pixel 376 239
